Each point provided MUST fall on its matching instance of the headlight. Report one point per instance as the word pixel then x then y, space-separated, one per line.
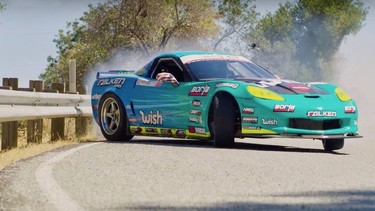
pixel 264 93
pixel 342 95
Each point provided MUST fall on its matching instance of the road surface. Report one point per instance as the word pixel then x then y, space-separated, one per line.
pixel 156 174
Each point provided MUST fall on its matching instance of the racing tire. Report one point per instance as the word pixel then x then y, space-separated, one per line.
pixel 113 120
pixel 333 144
pixel 224 121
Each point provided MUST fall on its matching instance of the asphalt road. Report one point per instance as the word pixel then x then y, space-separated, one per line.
pixel 167 174
pixel 265 174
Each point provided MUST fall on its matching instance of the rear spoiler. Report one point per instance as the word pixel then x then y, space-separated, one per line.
pixel 114 73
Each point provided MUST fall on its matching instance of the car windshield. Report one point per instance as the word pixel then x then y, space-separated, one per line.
pixel 226 69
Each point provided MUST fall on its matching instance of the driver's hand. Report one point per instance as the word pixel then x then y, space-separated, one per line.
pixel 167 77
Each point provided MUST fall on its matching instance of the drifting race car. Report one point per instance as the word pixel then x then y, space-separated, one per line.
pixel 220 97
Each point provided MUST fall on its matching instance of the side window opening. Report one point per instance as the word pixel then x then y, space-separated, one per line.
pixel 144 70
pixel 169 66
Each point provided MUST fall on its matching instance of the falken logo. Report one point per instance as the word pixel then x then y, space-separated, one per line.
pixel 248 110
pixel 321 114
pixel 284 108
pixel 350 109
pixel 152 118
pixel 269 121
pixel 116 82
pixel 199 91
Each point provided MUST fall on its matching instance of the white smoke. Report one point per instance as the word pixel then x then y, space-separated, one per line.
pixel 357 71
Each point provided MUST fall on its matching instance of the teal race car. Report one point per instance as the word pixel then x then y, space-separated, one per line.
pixel 219 97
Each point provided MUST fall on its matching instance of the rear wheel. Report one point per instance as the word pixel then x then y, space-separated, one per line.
pixel 112 118
pixel 333 144
pixel 223 121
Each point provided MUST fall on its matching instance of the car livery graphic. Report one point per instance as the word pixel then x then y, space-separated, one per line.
pixel 219 97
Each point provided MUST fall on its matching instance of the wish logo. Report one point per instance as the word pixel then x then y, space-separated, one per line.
pixel 152 118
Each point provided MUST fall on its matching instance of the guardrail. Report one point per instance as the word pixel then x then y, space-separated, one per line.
pixel 35 104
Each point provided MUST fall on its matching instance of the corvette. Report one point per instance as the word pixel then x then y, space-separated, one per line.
pixel 219 97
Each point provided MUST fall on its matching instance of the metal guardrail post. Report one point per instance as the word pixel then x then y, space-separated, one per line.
pixel 35 127
pixel 82 122
pixel 58 124
pixel 9 129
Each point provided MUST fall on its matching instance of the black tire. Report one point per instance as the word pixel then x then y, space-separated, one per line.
pixel 113 121
pixel 333 144
pixel 223 121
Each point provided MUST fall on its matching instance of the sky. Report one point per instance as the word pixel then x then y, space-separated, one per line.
pixel 27 30
pixel 28 27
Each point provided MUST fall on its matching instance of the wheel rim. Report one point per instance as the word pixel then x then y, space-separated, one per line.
pixel 110 116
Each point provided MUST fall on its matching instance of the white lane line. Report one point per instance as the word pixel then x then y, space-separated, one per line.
pixel 50 188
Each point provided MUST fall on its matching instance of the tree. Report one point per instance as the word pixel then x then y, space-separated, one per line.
pixel 300 40
pixel 141 26
pixel 236 19
pixel 2 6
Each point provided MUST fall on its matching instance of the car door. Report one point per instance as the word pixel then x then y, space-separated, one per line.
pixel 161 104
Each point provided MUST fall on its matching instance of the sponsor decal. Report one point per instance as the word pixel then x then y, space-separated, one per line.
pixel 133 120
pixel 252 120
pixel 96 97
pixel 196 103
pixel 199 91
pixel 152 118
pixel 252 128
pixel 166 131
pixel 247 110
pixel 269 121
pixel 300 88
pixel 151 130
pixel 197 58
pixel 180 133
pixel 144 82
pixel 284 108
pixel 196 112
pixel 95 107
pixel 137 130
pixel 116 82
pixel 350 109
pixel 266 84
pixel 197 130
pixel 231 85
pixel 321 114
pixel 193 119
pixel 128 106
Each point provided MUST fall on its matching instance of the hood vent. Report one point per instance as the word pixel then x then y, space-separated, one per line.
pixel 312 96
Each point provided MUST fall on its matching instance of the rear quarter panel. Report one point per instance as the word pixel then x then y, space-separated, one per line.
pixel 122 86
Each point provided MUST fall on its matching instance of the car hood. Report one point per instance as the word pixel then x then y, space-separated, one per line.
pixel 286 86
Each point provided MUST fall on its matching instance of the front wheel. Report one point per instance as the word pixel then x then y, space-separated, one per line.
pixel 333 144
pixel 224 121
pixel 112 119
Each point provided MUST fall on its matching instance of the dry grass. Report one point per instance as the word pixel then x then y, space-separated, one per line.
pixel 27 150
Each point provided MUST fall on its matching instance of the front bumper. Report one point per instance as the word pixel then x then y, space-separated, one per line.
pixel 319 118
